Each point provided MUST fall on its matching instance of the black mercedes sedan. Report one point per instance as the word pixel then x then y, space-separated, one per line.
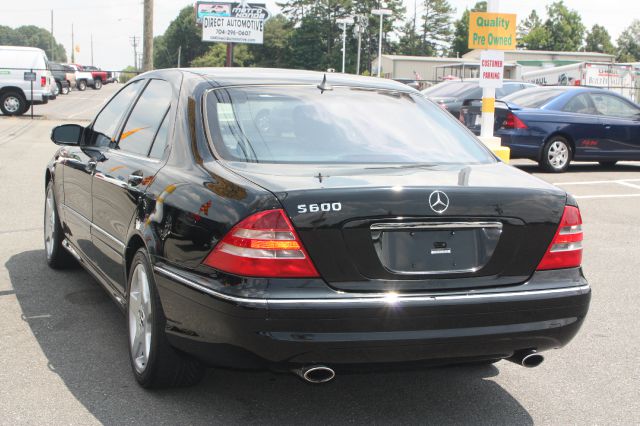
pixel 305 222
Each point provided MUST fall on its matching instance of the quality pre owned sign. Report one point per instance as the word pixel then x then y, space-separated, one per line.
pixel 495 31
pixel 232 22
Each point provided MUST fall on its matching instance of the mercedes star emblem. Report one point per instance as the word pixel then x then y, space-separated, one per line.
pixel 438 201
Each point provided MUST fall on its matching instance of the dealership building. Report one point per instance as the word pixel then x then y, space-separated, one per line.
pixel 468 66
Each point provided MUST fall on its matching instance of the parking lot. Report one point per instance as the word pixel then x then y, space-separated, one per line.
pixel 63 349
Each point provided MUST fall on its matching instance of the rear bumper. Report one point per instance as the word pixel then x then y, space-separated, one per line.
pixel 257 332
pixel 522 142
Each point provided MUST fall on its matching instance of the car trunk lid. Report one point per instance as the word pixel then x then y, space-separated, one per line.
pixel 372 228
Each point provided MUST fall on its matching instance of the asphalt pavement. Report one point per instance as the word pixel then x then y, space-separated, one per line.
pixel 63 349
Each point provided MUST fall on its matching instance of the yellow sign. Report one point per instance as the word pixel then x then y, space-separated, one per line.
pixel 495 31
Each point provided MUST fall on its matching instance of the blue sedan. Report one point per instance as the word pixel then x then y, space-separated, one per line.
pixel 557 125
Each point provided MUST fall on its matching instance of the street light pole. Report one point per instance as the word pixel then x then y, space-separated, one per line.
pixel 382 13
pixel 344 22
pixel 361 24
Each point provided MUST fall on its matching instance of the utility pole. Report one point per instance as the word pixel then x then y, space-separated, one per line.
pixel 179 54
pixel 73 47
pixel 134 43
pixel 52 44
pixel 147 36
pixel 91 49
pixel 229 60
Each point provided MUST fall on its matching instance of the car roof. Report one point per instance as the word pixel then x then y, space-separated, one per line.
pixel 262 76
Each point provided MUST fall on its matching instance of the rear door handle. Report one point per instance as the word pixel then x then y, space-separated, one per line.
pixel 135 179
pixel 607 126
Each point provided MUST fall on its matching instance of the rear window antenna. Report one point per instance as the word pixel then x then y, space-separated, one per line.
pixel 324 85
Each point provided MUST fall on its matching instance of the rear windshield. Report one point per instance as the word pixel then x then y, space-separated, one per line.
pixel 293 124
pixel 450 89
pixel 533 98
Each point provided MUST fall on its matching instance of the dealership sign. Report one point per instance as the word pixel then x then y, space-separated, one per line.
pixel 495 31
pixel 232 22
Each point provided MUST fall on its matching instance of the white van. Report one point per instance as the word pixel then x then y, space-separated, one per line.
pixel 16 64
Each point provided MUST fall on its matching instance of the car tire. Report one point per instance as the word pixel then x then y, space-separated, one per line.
pixel 607 164
pixel 58 89
pixel 65 90
pixel 57 256
pixel 13 103
pixel 82 85
pixel 154 362
pixel 556 155
pixel 97 85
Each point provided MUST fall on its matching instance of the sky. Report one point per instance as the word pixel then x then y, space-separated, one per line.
pixel 114 22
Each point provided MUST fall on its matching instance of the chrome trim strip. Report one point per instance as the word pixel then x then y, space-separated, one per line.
pixel 93 226
pixel 381 298
pixel 134 156
pixel 75 213
pixel 433 225
pixel 108 235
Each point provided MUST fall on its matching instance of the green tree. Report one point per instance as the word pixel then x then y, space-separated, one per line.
pixel 599 40
pixel 316 38
pixel 629 43
pixel 564 27
pixel 532 34
pixel 460 44
pixel 216 56
pixel 276 50
pixel 182 33
pixel 32 36
pixel 436 26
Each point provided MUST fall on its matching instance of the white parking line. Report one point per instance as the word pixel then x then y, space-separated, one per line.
pixel 595 182
pixel 587 197
pixel 630 185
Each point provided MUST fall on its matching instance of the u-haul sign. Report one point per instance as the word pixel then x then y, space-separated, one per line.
pixel 491 68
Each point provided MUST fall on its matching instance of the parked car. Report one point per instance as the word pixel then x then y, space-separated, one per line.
pixel 60 75
pixel 84 79
pixel 294 220
pixel 16 62
pixel 99 77
pixel 70 76
pixel 555 125
pixel 451 94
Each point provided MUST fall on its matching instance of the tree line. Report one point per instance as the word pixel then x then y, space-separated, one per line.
pixel 32 36
pixel 306 35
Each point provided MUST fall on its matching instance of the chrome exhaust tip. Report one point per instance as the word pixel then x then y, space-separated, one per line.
pixel 528 359
pixel 315 374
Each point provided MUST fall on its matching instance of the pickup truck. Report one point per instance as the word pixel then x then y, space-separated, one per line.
pixel 99 77
pixel 83 78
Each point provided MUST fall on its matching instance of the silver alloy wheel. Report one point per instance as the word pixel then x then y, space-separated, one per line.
pixel 140 318
pixel 558 154
pixel 49 222
pixel 12 104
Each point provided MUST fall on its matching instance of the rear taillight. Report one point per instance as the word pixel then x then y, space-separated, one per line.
pixel 43 81
pixel 565 251
pixel 263 245
pixel 513 122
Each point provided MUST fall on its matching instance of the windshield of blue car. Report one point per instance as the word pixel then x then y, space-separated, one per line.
pixel 450 89
pixel 533 98
pixel 345 125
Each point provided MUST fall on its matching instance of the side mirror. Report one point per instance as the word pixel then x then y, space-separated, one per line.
pixel 67 134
